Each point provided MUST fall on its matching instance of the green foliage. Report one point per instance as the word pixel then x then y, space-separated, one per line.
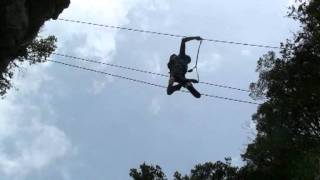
pixel 38 51
pixel 207 171
pixel 287 145
pixel 215 171
pixel 147 172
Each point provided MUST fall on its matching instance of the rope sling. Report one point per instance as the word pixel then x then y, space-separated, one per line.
pixel 196 65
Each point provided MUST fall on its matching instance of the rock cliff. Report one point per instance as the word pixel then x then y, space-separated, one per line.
pixel 20 22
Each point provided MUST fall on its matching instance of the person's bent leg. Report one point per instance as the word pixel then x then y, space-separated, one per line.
pixel 192 90
pixel 171 88
pixel 170 85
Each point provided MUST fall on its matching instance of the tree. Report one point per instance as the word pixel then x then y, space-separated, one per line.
pixel 37 52
pixel 147 172
pixel 211 171
pixel 206 171
pixel 287 145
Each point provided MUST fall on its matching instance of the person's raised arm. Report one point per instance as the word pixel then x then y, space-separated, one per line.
pixel 183 44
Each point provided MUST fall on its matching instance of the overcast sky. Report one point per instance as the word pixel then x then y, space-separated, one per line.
pixel 62 123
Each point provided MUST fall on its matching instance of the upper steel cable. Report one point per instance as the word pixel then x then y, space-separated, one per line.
pixel 166 34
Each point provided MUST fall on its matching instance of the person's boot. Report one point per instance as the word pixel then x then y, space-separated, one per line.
pixel 192 90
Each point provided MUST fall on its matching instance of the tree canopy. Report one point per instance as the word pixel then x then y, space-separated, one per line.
pixel 38 51
pixel 287 145
pixel 148 172
pixel 217 171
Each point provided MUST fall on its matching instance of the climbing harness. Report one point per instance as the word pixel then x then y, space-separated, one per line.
pixel 196 65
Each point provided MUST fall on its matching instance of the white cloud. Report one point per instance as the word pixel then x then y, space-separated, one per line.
pixel 99 85
pixel 27 141
pixel 155 106
pixel 237 161
pixel 153 64
pixel 246 52
pixel 89 41
pixel 98 41
pixel 291 2
pixel 30 79
pixel 211 63
pixel 94 42
pixel 36 145
pixel 250 128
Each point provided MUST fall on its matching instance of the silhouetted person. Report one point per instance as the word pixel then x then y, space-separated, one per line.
pixel 178 66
